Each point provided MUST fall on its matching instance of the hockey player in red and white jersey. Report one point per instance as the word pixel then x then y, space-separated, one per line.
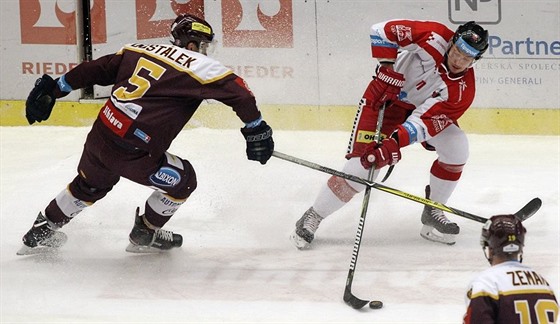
pixel 156 89
pixel 426 76
pixel 508 292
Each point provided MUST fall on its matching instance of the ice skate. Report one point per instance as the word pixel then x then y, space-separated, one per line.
pixel 146 240
pixel 306 226
pixel 43 237
pixel 437 227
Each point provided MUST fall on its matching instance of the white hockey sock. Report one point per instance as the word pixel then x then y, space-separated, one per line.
pixel 441 190
pixel 70 205
pixel 163 204
pixel 354 167
pixel 327 201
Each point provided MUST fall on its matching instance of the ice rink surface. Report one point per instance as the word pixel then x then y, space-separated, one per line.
pixel 236 263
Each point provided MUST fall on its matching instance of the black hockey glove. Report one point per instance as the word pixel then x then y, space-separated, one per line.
pixel 259 142
pixel 41 100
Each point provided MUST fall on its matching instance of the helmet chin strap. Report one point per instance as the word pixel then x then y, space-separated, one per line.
pixel 486 251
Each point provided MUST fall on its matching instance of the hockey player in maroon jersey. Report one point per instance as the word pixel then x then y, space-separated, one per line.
pixel 156 90
pixel 425 76
pixel 508 292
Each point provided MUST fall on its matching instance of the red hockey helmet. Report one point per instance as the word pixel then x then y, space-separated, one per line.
pixel 188 28
pixel 504 235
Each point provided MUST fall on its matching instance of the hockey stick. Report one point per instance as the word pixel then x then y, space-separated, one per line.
pixel 527 211
pixel 389 171
pixel 349 298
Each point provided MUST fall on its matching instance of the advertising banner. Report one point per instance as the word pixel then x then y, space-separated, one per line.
pixel 289 52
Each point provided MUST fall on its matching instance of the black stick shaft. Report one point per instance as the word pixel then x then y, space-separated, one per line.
pixel 348 297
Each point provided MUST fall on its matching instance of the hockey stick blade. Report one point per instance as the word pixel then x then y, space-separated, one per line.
pixel 389 171
pixel 529 209
pixel 352 300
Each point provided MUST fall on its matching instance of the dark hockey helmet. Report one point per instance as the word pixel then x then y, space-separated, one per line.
pixel 188 28
pixel 504 235
pixel 472 39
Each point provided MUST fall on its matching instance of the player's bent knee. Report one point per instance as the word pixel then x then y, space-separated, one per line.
pixel 188 185
pixel 176 177
pixel 80 189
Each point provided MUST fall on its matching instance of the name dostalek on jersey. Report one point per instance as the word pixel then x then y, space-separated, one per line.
pixel 170 52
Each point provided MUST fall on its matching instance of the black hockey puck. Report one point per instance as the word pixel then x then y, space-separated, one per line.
pixel 376 304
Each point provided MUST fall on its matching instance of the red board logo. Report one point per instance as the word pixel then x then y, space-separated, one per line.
pixel 154 17
pixel 262 23
pixel 54 22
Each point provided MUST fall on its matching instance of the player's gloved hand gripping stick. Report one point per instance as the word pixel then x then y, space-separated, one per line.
pixel 260 144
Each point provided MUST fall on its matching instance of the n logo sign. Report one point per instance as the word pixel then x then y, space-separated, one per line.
pixel 483 11
pixel 54 22
pixel 257 23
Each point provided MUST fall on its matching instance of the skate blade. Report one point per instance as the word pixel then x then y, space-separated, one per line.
pixel 26 250
pixel 431 234
pixel 133 248
pixel 50 245
pixel 299 242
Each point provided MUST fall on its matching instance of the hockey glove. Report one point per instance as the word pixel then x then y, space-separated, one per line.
pixel 385 153
pixel 259 142
pixel 385 87
pixel 41 100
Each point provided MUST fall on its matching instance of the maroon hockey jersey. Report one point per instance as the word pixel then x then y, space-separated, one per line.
pixel 156 90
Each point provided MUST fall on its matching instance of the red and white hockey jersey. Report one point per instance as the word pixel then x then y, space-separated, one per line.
pixel 510 293
pixel 437 98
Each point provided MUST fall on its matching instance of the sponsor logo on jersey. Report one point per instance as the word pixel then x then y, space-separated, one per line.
pixel 165 177
pixel 379 41
pixel 403 33
pixel 141 135
pixel 115 120
pixel 132 110
pixel 440 122
pixel 462 85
